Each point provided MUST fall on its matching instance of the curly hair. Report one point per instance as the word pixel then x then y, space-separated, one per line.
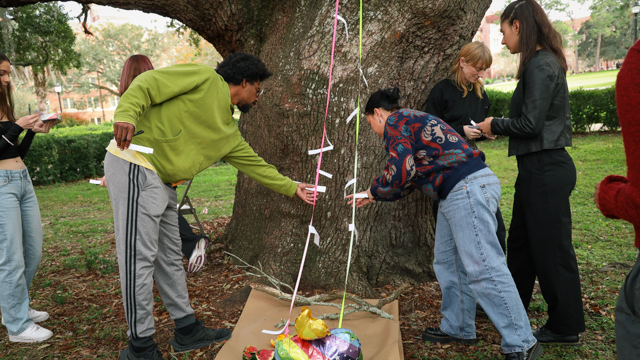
pixel 239 66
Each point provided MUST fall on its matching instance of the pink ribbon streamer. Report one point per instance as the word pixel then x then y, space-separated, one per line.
pixel 315 189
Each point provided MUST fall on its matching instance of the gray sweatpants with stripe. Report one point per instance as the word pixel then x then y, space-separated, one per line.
pixel 148 245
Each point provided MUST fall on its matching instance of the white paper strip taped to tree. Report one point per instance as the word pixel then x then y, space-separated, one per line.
pixel 361 196
pixel 325 174
pixel 352 115
pixel 351 182
pixel 365 79
pixel 346 28
pixel 96 182
pixel 327 148
pixel 352 227
pixel 316 236
pixel 320 187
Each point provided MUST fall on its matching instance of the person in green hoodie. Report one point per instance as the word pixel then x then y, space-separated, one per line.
pixel 184 113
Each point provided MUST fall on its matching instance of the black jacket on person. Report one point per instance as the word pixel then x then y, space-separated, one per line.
pixel 540 117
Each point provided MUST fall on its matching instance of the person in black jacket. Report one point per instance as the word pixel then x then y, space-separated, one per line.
pixel 539 129
pixel 460 99
pixel 20 223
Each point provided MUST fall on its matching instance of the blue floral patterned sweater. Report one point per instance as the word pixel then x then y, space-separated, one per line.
pixel 424 153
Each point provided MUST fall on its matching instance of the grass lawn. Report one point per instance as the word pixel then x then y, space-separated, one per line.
pixel 598 79
pixel 78 283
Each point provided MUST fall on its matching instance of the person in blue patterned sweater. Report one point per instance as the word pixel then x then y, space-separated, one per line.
pixel 427 154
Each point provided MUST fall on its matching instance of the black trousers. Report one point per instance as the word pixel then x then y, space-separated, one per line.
pixel 540 243
pixel 628 316
pixel 188 237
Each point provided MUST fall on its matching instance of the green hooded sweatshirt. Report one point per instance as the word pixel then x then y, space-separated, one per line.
pixel 186 113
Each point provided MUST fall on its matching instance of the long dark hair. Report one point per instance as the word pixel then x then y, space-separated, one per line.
pixel 535 29
pixel 134 66
pixel 386 99
pixel 6 99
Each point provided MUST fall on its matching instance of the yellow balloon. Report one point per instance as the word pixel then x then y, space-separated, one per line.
pixel 310 328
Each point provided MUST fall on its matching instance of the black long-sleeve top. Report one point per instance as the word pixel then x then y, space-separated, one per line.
pixel 446 102
pixel 10 147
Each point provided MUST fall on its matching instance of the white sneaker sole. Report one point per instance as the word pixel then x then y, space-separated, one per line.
pixel 40 335
pixel 199 256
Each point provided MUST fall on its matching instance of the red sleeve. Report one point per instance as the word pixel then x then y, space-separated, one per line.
pixel 628 104
pixel 618 199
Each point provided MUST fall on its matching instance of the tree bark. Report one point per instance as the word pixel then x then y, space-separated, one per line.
pixel 409 44
pixel 40 85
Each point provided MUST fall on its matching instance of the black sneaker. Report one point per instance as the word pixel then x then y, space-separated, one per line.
pixel 547 336
pixel 531 354
pixel 201 336
pixel 435 335
pixel 154 354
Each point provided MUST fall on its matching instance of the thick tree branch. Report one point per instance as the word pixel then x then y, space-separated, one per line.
pixel 217 21
pixel 85 12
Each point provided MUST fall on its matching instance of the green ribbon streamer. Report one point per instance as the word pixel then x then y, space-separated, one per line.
pixel 355 175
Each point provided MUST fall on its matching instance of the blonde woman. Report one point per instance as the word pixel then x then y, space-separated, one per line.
pixel 460 98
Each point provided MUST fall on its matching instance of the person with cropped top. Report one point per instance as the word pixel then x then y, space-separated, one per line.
pixel 20 224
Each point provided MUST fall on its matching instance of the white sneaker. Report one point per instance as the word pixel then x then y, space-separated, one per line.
pixel 199 256
pixel 35 315
pixel 34 333
pixel 38 316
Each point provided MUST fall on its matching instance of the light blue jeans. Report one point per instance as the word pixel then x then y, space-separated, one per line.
pixel 470 265
pixel 20 247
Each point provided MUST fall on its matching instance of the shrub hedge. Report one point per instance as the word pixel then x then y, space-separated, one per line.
pixel 77 152
pixel 68 154
pixel 588 107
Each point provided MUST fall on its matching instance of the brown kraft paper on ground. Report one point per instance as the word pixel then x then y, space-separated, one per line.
pixel 380 338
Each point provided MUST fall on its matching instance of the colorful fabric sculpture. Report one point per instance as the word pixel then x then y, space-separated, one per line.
pixel 341 344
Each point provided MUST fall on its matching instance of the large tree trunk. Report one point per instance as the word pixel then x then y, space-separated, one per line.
pixel 40 84
pixel 409 44
pixel 406 44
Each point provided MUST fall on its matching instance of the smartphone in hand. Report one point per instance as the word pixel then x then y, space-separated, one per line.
pixel 51 117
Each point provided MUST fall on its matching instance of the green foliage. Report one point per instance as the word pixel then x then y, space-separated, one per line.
pixel 68 154
pixel 39 36
pixel 615 28
pixel 592 107
pixel 588 107
pixel 106 51
pixel 500 101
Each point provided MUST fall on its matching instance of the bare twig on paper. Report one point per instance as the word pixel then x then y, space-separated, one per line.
pixel 322 299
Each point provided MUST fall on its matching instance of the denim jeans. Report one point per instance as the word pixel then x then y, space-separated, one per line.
pixel 20 247
pixel 470 265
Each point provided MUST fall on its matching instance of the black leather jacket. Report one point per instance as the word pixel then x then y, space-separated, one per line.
pixel 540 117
